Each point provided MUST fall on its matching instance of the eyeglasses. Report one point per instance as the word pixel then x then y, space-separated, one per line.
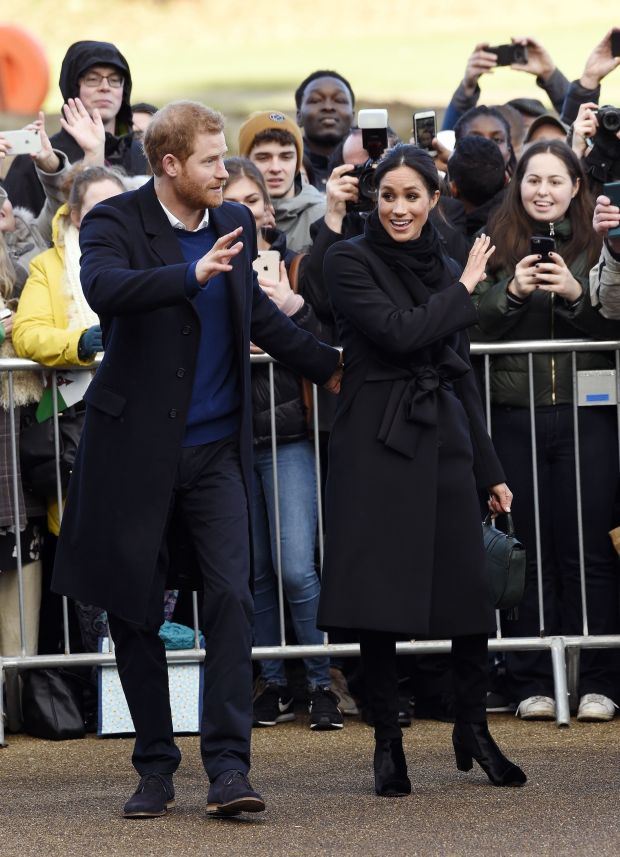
pixel 93 79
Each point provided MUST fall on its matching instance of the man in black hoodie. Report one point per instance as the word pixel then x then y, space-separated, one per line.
pixel 98 74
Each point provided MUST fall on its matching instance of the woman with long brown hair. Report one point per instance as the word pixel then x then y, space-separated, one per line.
pixel 530 296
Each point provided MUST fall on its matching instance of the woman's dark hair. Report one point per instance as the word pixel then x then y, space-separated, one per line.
pixel 406 155
pixel 511 228
pixel 461 129
pixel 244 168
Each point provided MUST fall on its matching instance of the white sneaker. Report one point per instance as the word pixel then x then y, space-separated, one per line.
pixel 595 706
pixel 536 708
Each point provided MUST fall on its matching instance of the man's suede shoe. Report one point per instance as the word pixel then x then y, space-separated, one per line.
pixel 153 797
pixel 231 793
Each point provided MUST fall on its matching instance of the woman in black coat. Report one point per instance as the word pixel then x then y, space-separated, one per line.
pixel 404 554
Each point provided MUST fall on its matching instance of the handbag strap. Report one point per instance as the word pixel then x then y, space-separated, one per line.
pixel 510 527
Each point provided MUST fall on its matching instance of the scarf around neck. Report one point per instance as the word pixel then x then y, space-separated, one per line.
pixel 422 257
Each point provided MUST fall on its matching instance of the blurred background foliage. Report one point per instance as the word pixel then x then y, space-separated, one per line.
pixel 240 56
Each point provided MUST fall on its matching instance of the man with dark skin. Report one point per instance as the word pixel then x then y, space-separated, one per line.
pixel 325 111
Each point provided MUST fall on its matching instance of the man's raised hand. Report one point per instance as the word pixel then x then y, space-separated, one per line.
pixel 218 259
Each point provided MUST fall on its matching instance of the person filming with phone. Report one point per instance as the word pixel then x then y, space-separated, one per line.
pixel 537 289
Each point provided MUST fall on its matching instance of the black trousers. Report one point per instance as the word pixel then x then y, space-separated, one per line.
pixel 470 667
pixel 530 673
pixel 210 494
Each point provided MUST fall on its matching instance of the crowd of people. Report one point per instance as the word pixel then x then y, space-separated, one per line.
pixel 371 276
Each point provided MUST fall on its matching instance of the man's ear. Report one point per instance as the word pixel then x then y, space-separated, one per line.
pixel 454 190
pixel 298 118
pixel 170 165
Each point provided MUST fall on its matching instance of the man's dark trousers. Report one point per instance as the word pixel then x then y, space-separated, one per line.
pixel 210 495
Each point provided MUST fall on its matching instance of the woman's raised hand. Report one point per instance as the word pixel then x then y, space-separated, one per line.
pixel 475 269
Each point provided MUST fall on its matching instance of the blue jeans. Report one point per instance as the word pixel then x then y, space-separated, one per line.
pixel 298 522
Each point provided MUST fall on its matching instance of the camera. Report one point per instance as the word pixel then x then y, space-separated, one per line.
pixel 603 161
pixel 609 119
pixel 373 125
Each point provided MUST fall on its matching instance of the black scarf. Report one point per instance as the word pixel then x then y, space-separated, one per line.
pixel 423 257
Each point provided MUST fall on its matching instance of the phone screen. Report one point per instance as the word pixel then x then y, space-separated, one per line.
pixel 425 131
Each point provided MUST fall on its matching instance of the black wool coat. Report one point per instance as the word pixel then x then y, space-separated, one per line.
pixel 403 548
pixel 133 274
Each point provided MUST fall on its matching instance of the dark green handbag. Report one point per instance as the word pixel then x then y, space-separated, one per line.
pixel 505 563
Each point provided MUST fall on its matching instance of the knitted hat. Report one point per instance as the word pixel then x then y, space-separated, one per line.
pixel 264 121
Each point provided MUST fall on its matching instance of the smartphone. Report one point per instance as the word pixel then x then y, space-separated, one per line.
pixel 424 129
pixel 22 142
pixel 542 245
pixel 612 190
pixel 267 264
pixel 5 313
pixel 615 43
pixel 509 54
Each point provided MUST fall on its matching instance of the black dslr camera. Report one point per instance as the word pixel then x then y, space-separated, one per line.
pixel 603 162
pixel 608 120
pixel 373 124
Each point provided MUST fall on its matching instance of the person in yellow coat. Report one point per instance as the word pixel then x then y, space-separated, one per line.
pixel 54 324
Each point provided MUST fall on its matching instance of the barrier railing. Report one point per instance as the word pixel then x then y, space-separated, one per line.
pixel 564 650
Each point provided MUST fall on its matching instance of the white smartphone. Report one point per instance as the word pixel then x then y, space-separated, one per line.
pixel 267 264
pixel 424 129
pixel 22 142
pixel 5 313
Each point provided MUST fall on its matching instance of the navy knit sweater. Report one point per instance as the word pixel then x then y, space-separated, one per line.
pixel 214 411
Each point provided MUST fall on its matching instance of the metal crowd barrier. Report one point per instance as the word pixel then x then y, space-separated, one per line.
pixel 563 650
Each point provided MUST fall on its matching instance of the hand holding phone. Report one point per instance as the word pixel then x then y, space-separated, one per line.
pixel 542 245
pixel 509 54
pixel 267 265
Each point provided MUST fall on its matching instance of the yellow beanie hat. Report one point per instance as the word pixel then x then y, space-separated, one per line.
pixel 263 121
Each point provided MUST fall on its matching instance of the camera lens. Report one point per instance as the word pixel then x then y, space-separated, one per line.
pixel 367 189
pixel 610 119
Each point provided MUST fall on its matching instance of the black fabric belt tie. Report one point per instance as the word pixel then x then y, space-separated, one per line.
pixel 413 401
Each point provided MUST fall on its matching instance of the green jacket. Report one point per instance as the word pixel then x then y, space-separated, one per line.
pixel 542 316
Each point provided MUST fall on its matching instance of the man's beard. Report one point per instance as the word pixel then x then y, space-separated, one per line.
pixel 196 195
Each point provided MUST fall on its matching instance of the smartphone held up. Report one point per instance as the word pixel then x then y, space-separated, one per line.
pixel 22 142
pixel 425 129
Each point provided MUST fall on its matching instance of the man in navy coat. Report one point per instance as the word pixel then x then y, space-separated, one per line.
pixel 167 441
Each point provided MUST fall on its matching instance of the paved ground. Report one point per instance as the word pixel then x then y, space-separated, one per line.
pixel 64 799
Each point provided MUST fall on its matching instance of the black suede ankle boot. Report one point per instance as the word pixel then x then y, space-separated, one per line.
pixel 391 778
pixel 474 741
